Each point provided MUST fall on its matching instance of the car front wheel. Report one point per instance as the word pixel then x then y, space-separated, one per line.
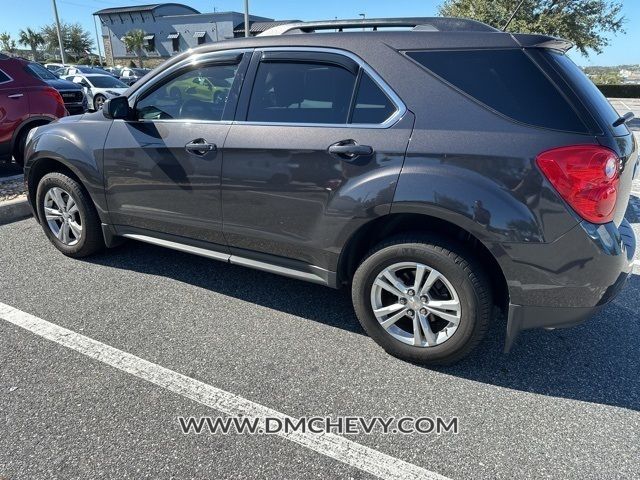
pixel 424 300
pixel 98 102
pixel 68 216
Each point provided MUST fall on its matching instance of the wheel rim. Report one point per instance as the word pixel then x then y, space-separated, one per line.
pixel 63 216
pixel 99 102
pixel 416 304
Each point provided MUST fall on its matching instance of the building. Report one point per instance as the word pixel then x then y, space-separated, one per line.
pixel 170 28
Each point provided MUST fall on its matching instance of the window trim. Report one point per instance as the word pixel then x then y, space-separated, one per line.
pixel 400 107
pixel 9 78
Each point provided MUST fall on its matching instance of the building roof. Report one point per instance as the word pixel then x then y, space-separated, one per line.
pixel 259 27
pixel 142 8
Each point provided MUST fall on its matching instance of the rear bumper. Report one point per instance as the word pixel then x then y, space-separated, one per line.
pixel 592 265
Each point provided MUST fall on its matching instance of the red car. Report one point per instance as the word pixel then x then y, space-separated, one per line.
pixel 25 103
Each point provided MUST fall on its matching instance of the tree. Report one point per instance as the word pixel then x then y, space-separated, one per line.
pixel 75 39
pixel 49 34
pixel 80 41
pixel 7 44
pixel 135 42
pixel 586 23
pixel 32 39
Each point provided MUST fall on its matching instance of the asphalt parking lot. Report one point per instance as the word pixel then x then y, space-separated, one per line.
pixel 562 404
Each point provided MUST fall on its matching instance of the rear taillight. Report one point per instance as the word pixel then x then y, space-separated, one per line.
pixel 586 177
pixel 52 92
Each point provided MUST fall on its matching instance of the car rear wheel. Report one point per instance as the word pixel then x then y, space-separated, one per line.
pixel 98 102
pixel 424 300
pixel 21 143
pixel 68 216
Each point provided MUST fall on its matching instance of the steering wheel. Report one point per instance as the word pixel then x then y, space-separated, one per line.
pixel 187 107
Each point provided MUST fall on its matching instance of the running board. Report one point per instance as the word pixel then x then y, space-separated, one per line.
pixel 233 259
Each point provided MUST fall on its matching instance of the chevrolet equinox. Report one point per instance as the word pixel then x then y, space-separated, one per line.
pixel 444 173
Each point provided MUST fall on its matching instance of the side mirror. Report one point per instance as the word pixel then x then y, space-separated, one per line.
pixel 116 108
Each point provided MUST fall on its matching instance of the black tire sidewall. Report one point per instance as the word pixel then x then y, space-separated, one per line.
pixel 452 266
pixel 85 245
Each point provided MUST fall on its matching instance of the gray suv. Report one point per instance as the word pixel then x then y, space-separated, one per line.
pixel 443 174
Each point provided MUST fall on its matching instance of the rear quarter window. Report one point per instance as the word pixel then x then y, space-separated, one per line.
pixel 4 78
pixel 589 94
pixel 506 81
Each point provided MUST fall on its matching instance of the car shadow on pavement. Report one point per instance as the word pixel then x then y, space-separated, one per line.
pixel 596 362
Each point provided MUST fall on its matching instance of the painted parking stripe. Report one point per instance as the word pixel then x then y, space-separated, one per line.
pixel 331 445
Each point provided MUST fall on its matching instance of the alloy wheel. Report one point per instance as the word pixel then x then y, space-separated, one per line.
pixel 416 304
pixel 63 216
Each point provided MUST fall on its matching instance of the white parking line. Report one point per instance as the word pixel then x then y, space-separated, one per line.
pixel 331 445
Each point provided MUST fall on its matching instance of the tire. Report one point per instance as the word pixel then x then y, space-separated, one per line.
pixel 98 101
pixel 461 280
pixel 21 144
pixel 90 239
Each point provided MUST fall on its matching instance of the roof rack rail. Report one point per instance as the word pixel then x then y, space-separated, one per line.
pixel 433 24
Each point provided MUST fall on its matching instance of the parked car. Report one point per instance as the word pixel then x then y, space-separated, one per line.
pixel 53 66
pixel 79 70
pixel 442 174
pixel 26 102
pixel 115 71
pixel 98 87
pixel 73 95
pixel 132 75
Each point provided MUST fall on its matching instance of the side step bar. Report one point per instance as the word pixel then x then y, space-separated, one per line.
pixel 235 259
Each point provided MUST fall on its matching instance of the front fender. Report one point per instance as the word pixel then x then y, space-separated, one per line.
pixel 77 145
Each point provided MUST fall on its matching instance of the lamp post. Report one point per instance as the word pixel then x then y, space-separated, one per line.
pixel 55 14
pixel 246 18
pixel 363 15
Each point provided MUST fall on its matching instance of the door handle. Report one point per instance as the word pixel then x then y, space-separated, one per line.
pixel 16 95
pixel 349 150
pixel 200 146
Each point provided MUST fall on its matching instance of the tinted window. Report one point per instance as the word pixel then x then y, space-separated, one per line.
pixel 372 104
pixel 199 94
pixel 40 72
pixel 301 93
pixel 506 81
pixel 4 77
pixel 106 81
pixel 587 91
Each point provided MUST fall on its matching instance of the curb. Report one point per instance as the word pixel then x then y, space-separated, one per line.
pixel 14 210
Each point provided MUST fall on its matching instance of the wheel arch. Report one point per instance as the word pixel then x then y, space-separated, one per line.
pixel 44 165
pixel 31 122
pixel 380 228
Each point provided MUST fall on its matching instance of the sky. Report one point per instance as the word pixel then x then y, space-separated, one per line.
pixel 19 14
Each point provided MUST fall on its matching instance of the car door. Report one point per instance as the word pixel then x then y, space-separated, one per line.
pixel 317 146
pixel 14 109
pixel 162 167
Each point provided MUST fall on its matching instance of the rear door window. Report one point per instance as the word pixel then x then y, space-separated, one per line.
pixel 372 104
pixel 299 92
pixel 506 81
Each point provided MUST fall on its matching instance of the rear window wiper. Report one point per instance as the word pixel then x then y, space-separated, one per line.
pixel 623 119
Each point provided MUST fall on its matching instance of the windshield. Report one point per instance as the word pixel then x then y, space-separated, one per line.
pixel 106 81
pixel 140 71
pixel 40 72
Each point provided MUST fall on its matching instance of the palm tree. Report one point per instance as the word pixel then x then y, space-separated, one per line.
pixel 32 39
pixel 7 44
pixel 135 42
